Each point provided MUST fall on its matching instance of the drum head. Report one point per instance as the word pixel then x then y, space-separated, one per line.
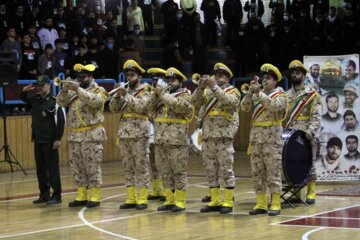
pixel 196 141
pixel 296 157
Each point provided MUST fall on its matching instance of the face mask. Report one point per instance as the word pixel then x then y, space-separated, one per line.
pixel 286 18
pixel 110 45
pixel 137 31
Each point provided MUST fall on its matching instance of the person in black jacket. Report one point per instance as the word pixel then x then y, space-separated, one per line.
pixel 233 15
pixel 47 129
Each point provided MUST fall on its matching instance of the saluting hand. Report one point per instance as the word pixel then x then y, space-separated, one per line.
pixel 28 88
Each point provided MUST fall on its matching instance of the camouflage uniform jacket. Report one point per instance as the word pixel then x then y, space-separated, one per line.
pixel 272 114
pixel 85 113
pixel 215 125
pixel 133 122
pixel 310 116
pixel 171 115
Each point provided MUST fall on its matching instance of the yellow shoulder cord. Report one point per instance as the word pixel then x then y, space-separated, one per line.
pixel 286 107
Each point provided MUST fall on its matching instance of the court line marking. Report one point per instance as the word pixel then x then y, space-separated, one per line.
pixel 335 198
pixel 301 217
pixel 308 233
pixel 91 225
pixel 315 226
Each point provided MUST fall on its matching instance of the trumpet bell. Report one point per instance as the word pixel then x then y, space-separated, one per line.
pixel 196 78
pixel 57 81
pixel 245 88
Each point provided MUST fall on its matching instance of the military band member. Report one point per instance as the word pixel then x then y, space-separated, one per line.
pixel 172 113
pixel 220 121
pixel 133 133
pixel 157 183
pixel 265 144
pixel 47 129
pixel 304 113
pixel 85 102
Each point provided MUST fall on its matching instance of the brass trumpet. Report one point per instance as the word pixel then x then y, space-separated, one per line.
pixel 196 78
pixel 245 88
pixel 58 81
pixel 112 92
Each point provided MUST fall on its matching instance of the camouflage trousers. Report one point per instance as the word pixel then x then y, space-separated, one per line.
pixel 171 161
pixel 218 158
pixel 85 159
pixel 134 153
pixel 312 175
pixel 154 173
pixel 266 167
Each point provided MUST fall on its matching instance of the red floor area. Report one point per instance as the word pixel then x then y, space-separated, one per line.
pixel 345 218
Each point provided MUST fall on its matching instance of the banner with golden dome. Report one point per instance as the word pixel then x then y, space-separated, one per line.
pixel 337 80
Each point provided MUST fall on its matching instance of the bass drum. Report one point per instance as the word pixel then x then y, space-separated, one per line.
pixel 196 141
pixel 296 157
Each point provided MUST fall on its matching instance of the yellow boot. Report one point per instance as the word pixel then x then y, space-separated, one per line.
pixel 81 198
pixel 94 198
pixel 158 190
pixel 261 205
pixel 142 203
pixel 311 195
pixel 215 204
pixel 228 203
pixel 131 201
pixel 170 200
pixel 275 204
pixel 180 201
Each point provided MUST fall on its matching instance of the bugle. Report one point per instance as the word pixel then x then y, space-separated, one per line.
pixel 196 78
pixel 112 92
pixel 58 81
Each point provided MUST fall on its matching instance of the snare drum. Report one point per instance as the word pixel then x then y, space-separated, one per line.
pixel 196 141
pixel 296 157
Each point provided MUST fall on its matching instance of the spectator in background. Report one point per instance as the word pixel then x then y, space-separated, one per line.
pixel 30 59
pixel 169 9
pixel 20 20
pixel 211 9
pixel 273 34
pixel 46 63
pixel 4 21
pixel 11 44
pixel 198 63
pixel 48 34
pixel 108 60
pixel 232 14
pixel 35 17
pixel 60 58
pixel 74 46
pixel 35 40
pixel 64 41
pixel 322 5
pixel 83 41
pixel 332 28
pixel 188 8
pixel 138 38
pixel 61 20
pixel 255 30
pixel 129 52
pixel 92 57
pixel 349 27
pixel 134 16
pixel 78 21
pixel 298 8
pixel 146 8
pixel 304 26
pixel 80 57
pixel 241 50
pixel 116 33
pixel 254 6
pixel 317 33
pixel 171 56
pixel 277 10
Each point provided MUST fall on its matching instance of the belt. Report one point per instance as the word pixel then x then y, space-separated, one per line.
pixel 171 120
pixel 302 118
pixel 266 124
pixel 87 128
pixel 134 115
pixel 221 113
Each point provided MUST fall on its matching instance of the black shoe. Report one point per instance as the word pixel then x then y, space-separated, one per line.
pixel 91 204
pixel 152 197
pixel 162 198
pixel 53 201
pixel 206 199
pixel 210 209
pixel 40 200
pixel 76 203
pixel 127 206
pixel 177 209
pixel 257 211
pixel 225 210
pixel 310 201
pixel 165 207
pixel 274 212
pixel 141 206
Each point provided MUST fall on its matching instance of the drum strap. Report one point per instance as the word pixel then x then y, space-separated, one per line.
pixel 300 103
pixel 266 123
pixel 134 115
